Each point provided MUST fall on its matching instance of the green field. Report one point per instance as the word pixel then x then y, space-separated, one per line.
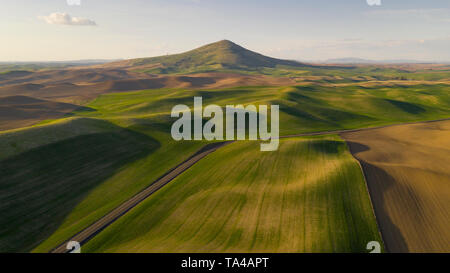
pixel 302 108
pixel 309 196
pixel 125 139
pixel 60 176
pixel 73 172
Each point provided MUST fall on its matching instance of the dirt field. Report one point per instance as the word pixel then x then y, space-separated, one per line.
pixel 82 85
pixel 408 174
pixel 59 92
pixel 21 111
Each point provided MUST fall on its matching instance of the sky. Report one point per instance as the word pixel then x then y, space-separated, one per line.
pixel 60 30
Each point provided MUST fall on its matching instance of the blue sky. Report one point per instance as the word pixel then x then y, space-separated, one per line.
pixel 38 30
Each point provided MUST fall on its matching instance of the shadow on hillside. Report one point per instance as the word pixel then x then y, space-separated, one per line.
pixel 378 183
pixel 41 187
pixel 327 146
pixel 406 106
pixel 356 147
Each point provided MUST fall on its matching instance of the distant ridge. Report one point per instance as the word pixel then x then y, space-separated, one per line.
pixel 220 55
pixel 367 61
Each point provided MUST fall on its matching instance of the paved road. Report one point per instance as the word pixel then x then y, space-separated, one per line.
pixel 360 129
pixel 86 234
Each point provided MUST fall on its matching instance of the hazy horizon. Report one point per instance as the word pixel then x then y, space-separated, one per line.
pixel 53 30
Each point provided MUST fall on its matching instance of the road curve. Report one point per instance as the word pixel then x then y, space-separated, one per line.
pixel 87 233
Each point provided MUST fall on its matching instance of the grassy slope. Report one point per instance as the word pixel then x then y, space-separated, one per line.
pixel 226 56
pixel 309 108
pixel 303 109
pixel 57 157
pixel 309 196
pixel 212 57
pixel 126 181
pixel 55 178
pixel 118 188
pixel 14 142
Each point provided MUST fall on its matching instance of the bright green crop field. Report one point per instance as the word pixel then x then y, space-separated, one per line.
pixel 309 196
pixel 58 177
pixel 302 108
pixel 74 171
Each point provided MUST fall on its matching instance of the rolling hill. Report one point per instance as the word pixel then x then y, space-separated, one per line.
pixel 302 109
pixel 408 176
pixel 243 200
pixel 219 55
pixel 21 111
pixel 61 176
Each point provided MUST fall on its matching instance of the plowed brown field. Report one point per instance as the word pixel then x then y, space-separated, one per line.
pixel 408 174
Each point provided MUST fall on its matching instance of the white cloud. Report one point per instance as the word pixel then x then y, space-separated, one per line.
pixel 62 18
